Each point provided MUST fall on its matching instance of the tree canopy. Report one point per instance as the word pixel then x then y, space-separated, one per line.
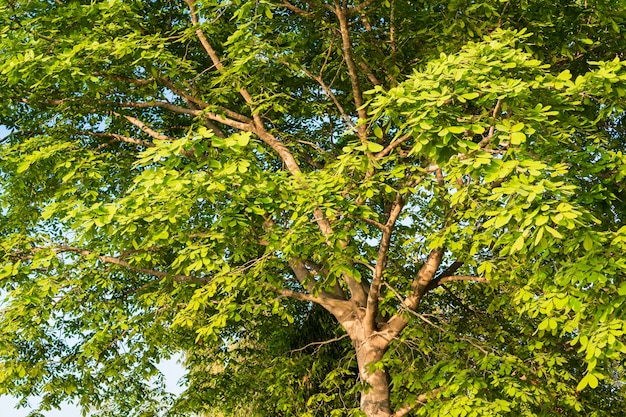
pixel 378 208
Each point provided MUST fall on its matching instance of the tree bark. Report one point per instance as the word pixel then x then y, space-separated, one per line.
pixel 370 349
pixel 375 396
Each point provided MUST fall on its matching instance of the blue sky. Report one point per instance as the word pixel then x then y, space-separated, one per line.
pixel 171 369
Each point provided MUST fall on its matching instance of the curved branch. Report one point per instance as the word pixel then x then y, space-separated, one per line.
pixel 159 104
pixel 451 269
pixel 487 139
pixel 421 400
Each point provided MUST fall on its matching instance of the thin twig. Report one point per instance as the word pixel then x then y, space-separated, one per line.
pixel 487 139
pixel 325 342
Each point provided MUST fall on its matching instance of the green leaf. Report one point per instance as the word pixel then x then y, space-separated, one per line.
pixel 553 232
pixel 374 147
pixel 378 132
pixel 470 96
pixel 517 138
pixel 517 127
pixel 518 245
pixel 456 129
pixel 23 166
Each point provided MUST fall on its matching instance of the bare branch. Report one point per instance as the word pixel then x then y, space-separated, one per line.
pixel 368 72
pixel 244 126
pixel 372 222
pixel 421 400
pixel 371 310
pixel 393 145
pixel 302 274
pixel 203 39
pixel 315 146
pixel 149 131
pixel 360 7
pixel 295 9
pixel 212 54
pixel 159 104
pixel 487 139
pixel 451 269
pixel 426 274
pixel 352 70
pixel 320 344
pixel 203 105
pixel 298 295
pixel 419 287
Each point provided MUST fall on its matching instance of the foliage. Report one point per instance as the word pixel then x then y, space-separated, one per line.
pixel 332 208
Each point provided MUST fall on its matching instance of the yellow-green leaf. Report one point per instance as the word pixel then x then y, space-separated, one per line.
pixel 517 138
pixel 553 232
pixel 518 245
pixel 374 147
pixel 469 96
pixel 517 127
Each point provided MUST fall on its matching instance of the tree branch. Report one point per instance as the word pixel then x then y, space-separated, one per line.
pixel 393 145
pixel 451 278
pixel 451 269
pixel 118 138
pixel 421 400
pixel 212 54
pixel 159 104
pixel 295 9
pixel 201 104
pixel 372 222
pixel 352 70
pixel 257 127
pixel 120 262
pixel 487 139
pixel 203 39
pixel 419 287
pixel 319 344
pixel 332 96
pixel 144 128
pixel 371 310
pixel 360 7
pixel 244 126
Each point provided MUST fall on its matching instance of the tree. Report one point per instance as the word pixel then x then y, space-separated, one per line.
pixel 388 208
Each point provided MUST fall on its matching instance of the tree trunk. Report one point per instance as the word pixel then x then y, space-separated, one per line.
pixel 370 348
pixel 375 396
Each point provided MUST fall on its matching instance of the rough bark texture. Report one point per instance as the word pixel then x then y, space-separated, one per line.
pixel 370 348
pixel 375 397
